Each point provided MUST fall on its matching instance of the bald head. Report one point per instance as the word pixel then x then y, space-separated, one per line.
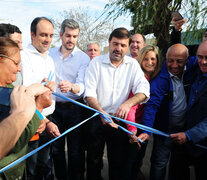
pixel 177 56
pixel 178 49
pixel 202 45
pixel 137 43
pixel 202 56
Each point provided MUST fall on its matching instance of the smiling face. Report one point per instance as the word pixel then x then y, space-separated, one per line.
pixel 69 38
pixel 176 59
pixel 136 45
pixel 149 63
pixel 10 67
pixel 43 38
pixel 118 49
pixel 202 57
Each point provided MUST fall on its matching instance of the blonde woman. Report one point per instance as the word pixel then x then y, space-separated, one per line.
pixel 148 59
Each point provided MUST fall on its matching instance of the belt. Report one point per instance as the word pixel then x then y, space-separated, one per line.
pixel 64 104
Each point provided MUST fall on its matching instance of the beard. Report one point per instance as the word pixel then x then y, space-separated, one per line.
pixel 69 48
pixel 116 55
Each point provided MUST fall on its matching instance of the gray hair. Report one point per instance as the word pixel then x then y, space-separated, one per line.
pixel 70 23
pixel 93 42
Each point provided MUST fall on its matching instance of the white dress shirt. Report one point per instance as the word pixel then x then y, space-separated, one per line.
pixel 111 85
pixel 36 67
pixel 72 69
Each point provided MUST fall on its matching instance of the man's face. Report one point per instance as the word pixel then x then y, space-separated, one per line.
pixel 202 57
pixel 176 61
pixel 136 45
pixel 93 50
pixel 69 38
pixel 205 36
pixel 43 38
pixel 17 38
pixel 118 48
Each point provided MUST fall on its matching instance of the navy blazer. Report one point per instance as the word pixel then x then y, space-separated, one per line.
pixel 197 123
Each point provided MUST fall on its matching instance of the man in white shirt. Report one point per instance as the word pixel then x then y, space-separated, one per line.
pixel 70 64
pixel 109 80
pixel 36 67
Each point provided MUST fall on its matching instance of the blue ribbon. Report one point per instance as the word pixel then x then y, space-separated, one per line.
pixel 39 148
pixel 140 126
pixel 50 77
pixel 105 116
pixel 39 114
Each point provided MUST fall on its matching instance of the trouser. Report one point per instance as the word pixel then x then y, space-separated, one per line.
pixel 162 148
pixel 67 115
pixel 87 128
pixel 134 159
pixel 39 165
pixel 116 141
pixel 200 165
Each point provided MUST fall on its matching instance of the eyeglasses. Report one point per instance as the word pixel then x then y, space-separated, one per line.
pixel 16 63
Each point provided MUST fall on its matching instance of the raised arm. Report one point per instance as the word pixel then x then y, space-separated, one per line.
pixel 22 110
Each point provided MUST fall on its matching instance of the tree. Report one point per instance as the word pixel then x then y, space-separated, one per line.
pixel 91 29
pixel 154 16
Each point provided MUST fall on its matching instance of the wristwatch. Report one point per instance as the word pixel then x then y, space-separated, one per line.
pixel 72 88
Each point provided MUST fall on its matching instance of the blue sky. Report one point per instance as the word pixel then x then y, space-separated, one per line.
pixel 22 12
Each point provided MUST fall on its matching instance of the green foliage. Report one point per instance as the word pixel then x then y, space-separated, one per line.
pixel 154 16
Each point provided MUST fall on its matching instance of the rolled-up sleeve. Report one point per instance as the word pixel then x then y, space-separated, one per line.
pixel 80 80
pixel 141 84
pixel 91 80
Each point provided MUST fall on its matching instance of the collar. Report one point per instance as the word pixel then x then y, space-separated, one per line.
pixel 201 75
pixel 75 50
pixel 171 75
pixel 32 49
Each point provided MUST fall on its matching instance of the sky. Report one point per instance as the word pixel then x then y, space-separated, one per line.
pixel 22 12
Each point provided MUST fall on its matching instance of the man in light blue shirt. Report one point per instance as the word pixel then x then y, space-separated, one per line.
pixel 70 64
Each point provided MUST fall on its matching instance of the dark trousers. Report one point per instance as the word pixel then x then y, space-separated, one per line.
pixel 162 149
pixel 116 141
pixel 67 115
pixel 39 165
pixel 200 165
pixel 134 159
pixel 198 162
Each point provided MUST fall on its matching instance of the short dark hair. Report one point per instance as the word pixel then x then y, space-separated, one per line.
pixel 6 44
pixel 34 23
pixel 121 33
pixel 144 39
pixel 7 29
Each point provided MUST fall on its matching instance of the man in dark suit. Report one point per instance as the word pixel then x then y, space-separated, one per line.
pixel 195 136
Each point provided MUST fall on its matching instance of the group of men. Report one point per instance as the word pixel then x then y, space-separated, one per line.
pixel 105 83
